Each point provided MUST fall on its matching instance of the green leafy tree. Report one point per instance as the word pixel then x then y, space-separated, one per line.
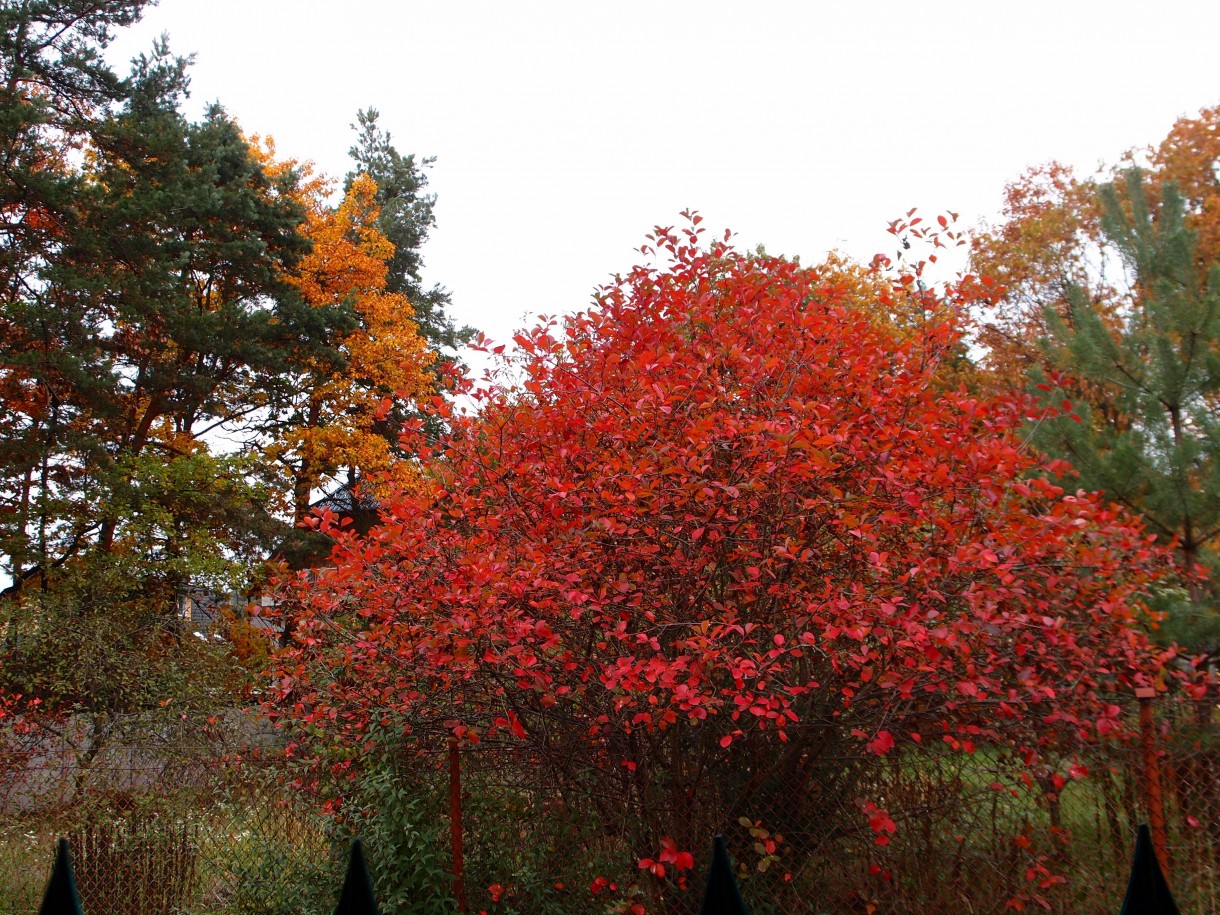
pixel 99 654
pixel 1155 448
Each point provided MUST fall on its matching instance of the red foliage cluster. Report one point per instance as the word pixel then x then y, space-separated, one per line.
pixel 722 494
pixel 17 717
pixel 725 506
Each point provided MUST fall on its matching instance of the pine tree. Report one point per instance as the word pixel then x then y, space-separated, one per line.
pixel 142 305
pixel 1152 440
pixel 154 312
pixel 407 216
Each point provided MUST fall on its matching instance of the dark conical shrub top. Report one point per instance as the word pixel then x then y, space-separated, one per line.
pixel 1147 890
pixel 357 897
pixel 722 897
pixel 61 897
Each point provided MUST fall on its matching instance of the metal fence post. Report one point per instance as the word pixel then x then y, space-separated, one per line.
pixel 1152 778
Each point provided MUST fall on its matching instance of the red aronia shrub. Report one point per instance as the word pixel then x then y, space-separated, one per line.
pixel 727 530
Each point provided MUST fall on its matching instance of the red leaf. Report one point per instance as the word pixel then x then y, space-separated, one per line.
pixel 882 743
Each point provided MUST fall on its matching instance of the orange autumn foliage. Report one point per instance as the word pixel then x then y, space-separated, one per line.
pixel 1049 239
pixel 1045 244
pixel 1189 156
pixel 340 416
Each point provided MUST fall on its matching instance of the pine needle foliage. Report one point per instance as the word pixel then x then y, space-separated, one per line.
pixel 1151 440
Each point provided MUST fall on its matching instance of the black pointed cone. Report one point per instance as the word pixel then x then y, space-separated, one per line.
pixel 722 896
pixel 1147 890
pixel 61 897
pixel 357 896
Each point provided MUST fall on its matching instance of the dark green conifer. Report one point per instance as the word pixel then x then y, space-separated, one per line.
pixel 1151 442
pixel 407 216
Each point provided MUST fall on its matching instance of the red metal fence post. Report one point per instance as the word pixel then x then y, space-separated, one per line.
pixel 1152 778
pixel 455 822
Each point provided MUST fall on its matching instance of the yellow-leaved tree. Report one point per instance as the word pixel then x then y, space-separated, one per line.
pixel 341 422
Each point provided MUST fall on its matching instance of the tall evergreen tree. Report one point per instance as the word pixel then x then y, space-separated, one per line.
pixel 189 342
pixel 146 310
pixel 407 216
pixel 56 94
pixel 102 514
pixel 1155 448
pixel 154 312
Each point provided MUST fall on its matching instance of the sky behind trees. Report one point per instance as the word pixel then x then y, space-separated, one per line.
pixel 564 131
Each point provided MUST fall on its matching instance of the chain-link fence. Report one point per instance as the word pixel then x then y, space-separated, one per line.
pixel 161 828
pixel 561 830
pixel 814 828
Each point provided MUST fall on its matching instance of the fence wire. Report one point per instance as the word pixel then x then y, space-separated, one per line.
pixel 213 829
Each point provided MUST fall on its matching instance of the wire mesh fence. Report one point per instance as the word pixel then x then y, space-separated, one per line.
pixel 160 835
pixel 213 829
pixel 815 831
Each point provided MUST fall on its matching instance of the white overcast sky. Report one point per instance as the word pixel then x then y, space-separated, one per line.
pixel 564 131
